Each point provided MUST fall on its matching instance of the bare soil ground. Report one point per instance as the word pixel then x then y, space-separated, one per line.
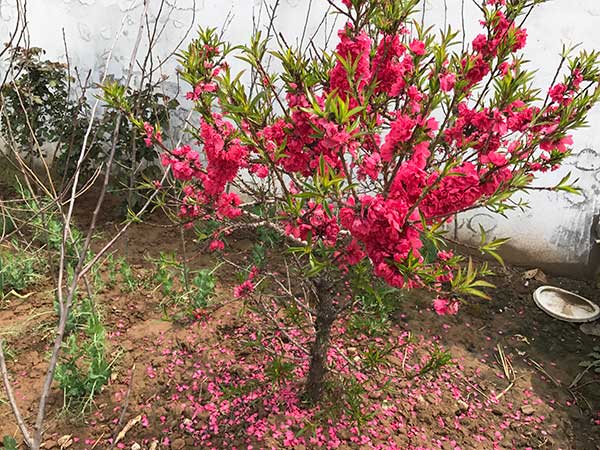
pixel 200 383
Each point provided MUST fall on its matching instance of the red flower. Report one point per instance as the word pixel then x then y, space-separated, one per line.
pixel 401 131
pixel 478 70
pixel 417 47
pixel 216 245
pixel 443 306
pixel 447 82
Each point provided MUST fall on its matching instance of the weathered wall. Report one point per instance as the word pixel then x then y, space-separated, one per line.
pixel 555 232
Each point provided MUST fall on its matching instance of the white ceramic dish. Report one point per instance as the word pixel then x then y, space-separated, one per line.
pixel 565 305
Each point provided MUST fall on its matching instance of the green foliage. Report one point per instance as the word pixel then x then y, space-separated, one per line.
pixel 128 278
pixel 41 107
pixel 148 104
pixel 7 223
pixel 375 302
pixel 46 225
pixel 167 268
pixel 348 398
pixel 375 356
pixel 111 271
pixel 466 281
pixel 369 323
pixel 171 275
pixel 120 271
pixel 593 363
pixel 10 443
pixel 203 289
pixel 84 368
pixel 79 313
pixel 438 358
pixel 491 248
pixel 266 238
pixel 38 98
pixel 18 269
pixel 279 370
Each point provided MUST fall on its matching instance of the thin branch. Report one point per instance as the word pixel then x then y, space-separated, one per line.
pixel 11 399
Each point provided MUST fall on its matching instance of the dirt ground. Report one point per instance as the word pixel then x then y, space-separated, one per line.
pixel 176 379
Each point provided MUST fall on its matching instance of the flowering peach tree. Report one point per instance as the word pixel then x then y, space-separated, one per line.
pixel 359 156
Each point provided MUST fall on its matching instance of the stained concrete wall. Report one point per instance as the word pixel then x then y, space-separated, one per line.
pixel 554 233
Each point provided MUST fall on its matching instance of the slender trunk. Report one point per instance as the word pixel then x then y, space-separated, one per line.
pixel 325 316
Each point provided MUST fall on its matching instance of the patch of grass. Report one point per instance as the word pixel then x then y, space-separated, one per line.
pixel 128 278
pixel 85 366
pixel 18 270
pixel 438 358
pixel 279 370
pixel 346 396
pixel 376 356
pixel 170 277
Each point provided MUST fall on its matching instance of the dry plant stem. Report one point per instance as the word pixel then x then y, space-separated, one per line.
pixel 125 406
pixel 97 441
pixel 11 399
pixel 543 371
pixel 280 327
pixel 20 30
pixel 37 144
pixel 125 227
pixel 65 301
pixel 508 370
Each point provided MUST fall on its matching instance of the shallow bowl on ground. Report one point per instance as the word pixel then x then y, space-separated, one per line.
pixel 565 305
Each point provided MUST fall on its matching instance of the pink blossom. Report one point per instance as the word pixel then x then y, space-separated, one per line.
pixel 417 47
pixel 216 245
pixel 447 82
pixel 443 306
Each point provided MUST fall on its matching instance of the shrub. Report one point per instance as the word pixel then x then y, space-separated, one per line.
pixel 42 112
pixel 363 154
pixel 39 106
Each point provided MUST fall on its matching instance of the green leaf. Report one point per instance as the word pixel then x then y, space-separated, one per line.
pixel 10 443
pixel 564 185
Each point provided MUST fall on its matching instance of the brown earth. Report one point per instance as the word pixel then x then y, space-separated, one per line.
pixel 545 354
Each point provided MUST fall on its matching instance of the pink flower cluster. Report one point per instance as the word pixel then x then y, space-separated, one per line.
pixel 151 135
pixel 403 168
pixel 225 156
pixel 247 286
pixel 316 221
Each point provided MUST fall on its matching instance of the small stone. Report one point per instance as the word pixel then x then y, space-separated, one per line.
pixel 136 446
pixel 497 412
pixel 528 410
pixel 178 444
pixel 462 406
pixel 344 434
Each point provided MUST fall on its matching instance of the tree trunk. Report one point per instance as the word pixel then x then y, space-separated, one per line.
pixel 325 316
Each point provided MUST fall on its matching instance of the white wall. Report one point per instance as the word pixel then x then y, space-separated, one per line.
pixel 555 231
